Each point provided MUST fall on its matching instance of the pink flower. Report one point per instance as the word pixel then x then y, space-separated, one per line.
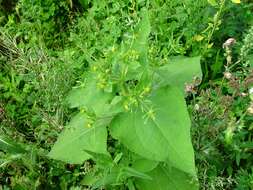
pixel 229 42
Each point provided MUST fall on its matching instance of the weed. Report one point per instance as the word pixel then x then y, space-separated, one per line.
pixel 123 76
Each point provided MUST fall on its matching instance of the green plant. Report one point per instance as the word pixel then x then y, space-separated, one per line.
pixel 246 49
pixel 223 113
pixel 122 87
pixel 38 23
pixel 141 107
pixel 245 180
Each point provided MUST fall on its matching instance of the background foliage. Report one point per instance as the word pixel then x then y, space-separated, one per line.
pixel 48 46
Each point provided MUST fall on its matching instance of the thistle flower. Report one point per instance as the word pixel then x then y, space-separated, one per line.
pixel 243 94
pixel 189 88
pixel 227 75
pixel 229 42
pixel 251 91
pixel 196 107
pixel 250 110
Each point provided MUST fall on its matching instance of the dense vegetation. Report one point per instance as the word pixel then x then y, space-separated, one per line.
pixel 143 95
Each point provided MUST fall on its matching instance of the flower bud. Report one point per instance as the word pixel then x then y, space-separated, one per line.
pixel 227 75
pixel 229 42
pixel 250 110
pixel 243 94
pixel 196 107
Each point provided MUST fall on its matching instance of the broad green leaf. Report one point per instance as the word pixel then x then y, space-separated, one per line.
pixel 166 138
pixel 117 175
pixel 142 31
pixel 90 179
pixel 126 128
pixel 77 137
pixel 90 97
pixel 131 172
pixel 167 178
pixel 144 165
pixel 109 177
pixel 104 161
pixel 134 70
pixel 9 146
pixel 178 71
